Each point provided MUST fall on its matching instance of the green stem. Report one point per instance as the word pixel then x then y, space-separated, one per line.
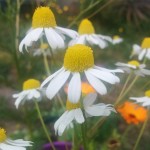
pixel 43 124
pixel 123 89
pixel 125 133
pixel 46 63
pixel 84 136
pixel 140 134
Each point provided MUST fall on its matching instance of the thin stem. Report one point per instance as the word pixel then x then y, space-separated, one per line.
pixel 43 124
pixel 83 12
pixel 47 69
pixel 140 134
pixel 123 89
pixel 84 136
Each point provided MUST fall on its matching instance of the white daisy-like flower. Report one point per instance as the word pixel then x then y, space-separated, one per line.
pixel 7 144
pixel 145 101
pixel 43 23
pixel 79 61
pixel 117 39
pixel 87 36
pixel 75 112
pixel 135 66
pixel 31 90
pixel 142 51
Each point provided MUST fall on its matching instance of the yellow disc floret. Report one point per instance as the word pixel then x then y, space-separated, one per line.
pixel 2 135
pixel 134 63
pixel 86 27
pixel 78 58
pixel 147 93
pixel 44 46
pixel 43 17
pixel 70 106
pixel 31 84
pixel 116 37
pixel 146 43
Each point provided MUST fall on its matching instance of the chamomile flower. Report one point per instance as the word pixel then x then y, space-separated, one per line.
pixel 117 39
pixel 43 22
pixel 142 51
pixel 74 111
pixel 87 36
pixel 31 90
pixel 133 65
pixel 7 144
pixel 145 101
pixel 79 61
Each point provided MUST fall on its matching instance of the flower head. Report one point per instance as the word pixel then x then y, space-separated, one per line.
pixel 142 51
pixel 79 61
pixel 7 144
pixel 132 113
pixel 135 66
pixel 74 111
pixel 145 100
pixel 44 23
pixel 31 90
pixel 87 36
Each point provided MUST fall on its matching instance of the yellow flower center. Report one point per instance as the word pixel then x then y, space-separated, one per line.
pixel 31 84
pixel 43 17
pixel 147 93
pixel 2 135
pixel 116 37
pixel 44 46
pixel 146 43
pixel 78 58
pixel 134 63
pixel 70 106
pixel 86 27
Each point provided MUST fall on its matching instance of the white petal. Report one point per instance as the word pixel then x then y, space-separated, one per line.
pixel 74 88
pixel 33 35
pixel 109 70
pixel 69 118
pixel 99 110
pixel 140 99
pixel 58 122
pixel 71 33
pixel 19 142
pixel 105 76
pixel 54 39
pixel 96 83
pixel 55 85
pixel 141 55
pixel 52 76
pixel 145 71
pixel 148 54
pixel 81 40
pixel 79 116
pixel 125 65
pixel 89 99
pixel 9 147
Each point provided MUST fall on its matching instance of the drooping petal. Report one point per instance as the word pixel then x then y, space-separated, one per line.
pixel 141 55
pixel 71 33
pixel 19 99
pixel 145 71
pixel 69 118
pixel 10 147
pixel 74 88
pixel 56 84
pixel 33 35
pixel 54 39
pixel 96 83
pixel 79 116
pixel 52 76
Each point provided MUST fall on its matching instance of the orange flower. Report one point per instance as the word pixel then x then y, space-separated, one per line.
pixel 86 88
pixel 133 113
